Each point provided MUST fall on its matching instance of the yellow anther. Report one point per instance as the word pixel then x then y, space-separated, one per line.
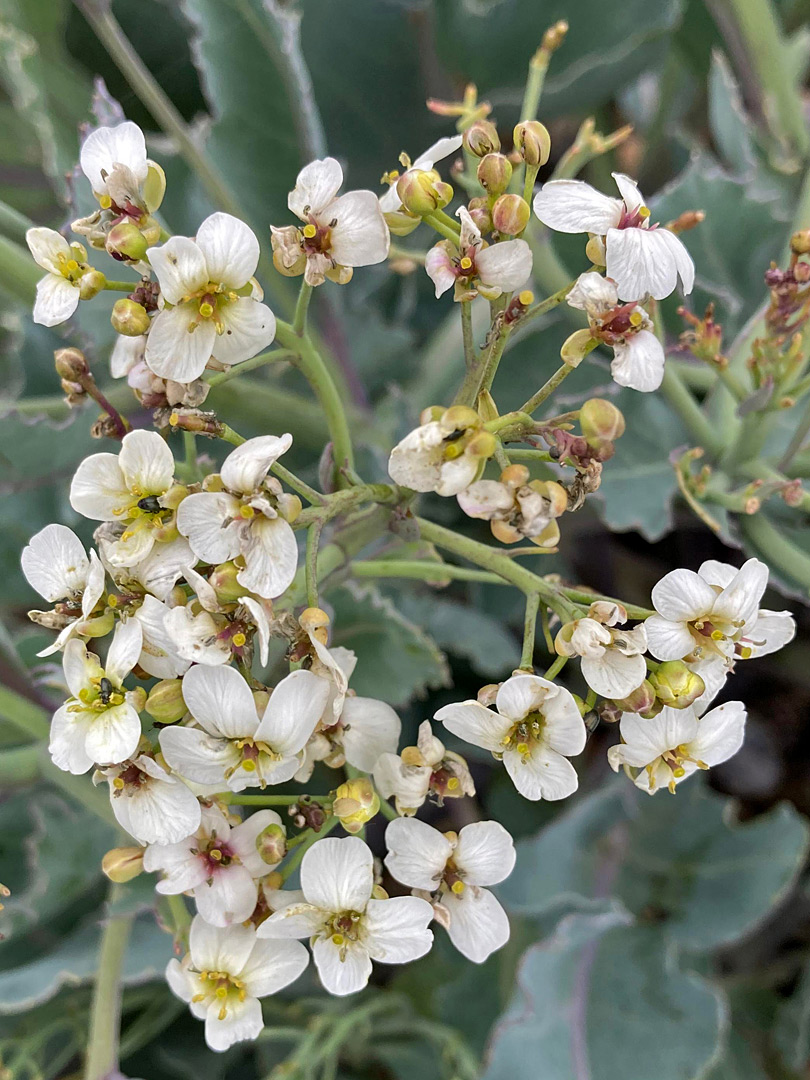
pixel 337 939
pixel 118 784
pixel 246 511
pixel 249 766
pixel 206 310
pixel 522 748
pixel 718 635
pixel 112 600
pixel 453 451
pixel 72 265
pixel 215 854
pixel 679 772
pixel 239 640
pixel 310 231
pixel 636 319
pixel 198 997
pixel 644 211
pixel 457 887
pixel 745 652
pixel 465 263
pixel 174 420
pixel 526 297
pixel 221 992
pixel 223 1012
pixel 452 783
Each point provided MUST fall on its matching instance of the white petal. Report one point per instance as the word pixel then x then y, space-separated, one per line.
pixel 681 595
pixel 181 981
pixel 341 973
pixel 107 147
pixel 475 724
pixel 272 965
pixel 46 247
pixel 370 728
pixel 246 466
pixel 628 189
pixel 113 735
pixel 194 637
pixel 439 268
pixel 643 261
pixel 79 667
pixel 68 738
pixel 417 853
pixel 94 588
pixel 220 701
pixel 668 640
pixel 523 694
pixel 408 783
pixel 55 563
pixel 720 733
pixel 485 853
pixel 639 362
pixel 217 949
pixel 593 293
pixel 681 257
pixel 315 188
pixel 441 149
pixel 614 674
pixel 271 557
pixel 249 328
pixel 57 299
pixel 242 841
pixel 98 488
pixel 198 756
pixel 124 650
pixel 243 1022
pixel 739 601
pixel 228 896
pixel 173 350
pixel 396 930
pixel 572 206
pixel 338 874
pixel 717 573
pixel 158 656
pixel 544 775
pixel 478 923
pixel 260 619
pixel 159 812
pixel 771 632
pixel 416 460
pixel 230 248
pixel 181 270
pixel 146 462
pixel 294 920
pixel 360 237
pixel 457 475
pixel 507 265
pixel 295 707
pixel 182 869
pixel 210 521
pixel 159 571
pixel 485 498
pixel 647 739
pixel 127 352
pixel 564 729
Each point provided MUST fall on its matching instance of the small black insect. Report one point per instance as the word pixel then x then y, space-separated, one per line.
pixel 454 436
pixel 150 504
pixel 105 688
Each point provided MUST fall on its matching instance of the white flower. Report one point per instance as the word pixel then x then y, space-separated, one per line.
pixel 390 202
pixel 641 259
pixel 160 654
pixel 714 616
pixel 114 161
pixel 346 927
pixel 233 746
pixel 56 565
pixel 99 723
pixel 445 454
pixel 246 518
pixel 339 231
pixel 638 356
pixel 473 267
pixel 128 488
pixel 536 729
pixel 220 865
pixel 672 745
pixel 214 309
pixel 612 660
pixel 225 973
pixel 127 353
pixel 454 867
pixel 58 293
pixel 427 768
pixel 151 804
pixel 517 507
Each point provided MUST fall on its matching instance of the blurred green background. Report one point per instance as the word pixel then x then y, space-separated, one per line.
pixel 664 937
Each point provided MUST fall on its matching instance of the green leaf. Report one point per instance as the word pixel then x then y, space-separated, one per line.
pixel 602 1000
pixel 397 660
pixel 676 859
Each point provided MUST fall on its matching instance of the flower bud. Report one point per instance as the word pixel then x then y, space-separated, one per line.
pixel 129 318
pixel 271 844
pixel 676 685
pixel 91 284
pixel 482 445
pixel 313 620
pixel 400 222
pixel 480 213
pixel 595 250
pixel 356 802
pixel 154 187
pixel 223 581
pixel 532 141
pixel 71 364
pixel 123 864
pixel 576 347
pixel 459 418
pixel 422 191
pixel 494 173
pixel 800 242
pixel 165 702
pixel 510 214
pixel 600 421
pixel 641 700
pixel 481 138
pixel 126 241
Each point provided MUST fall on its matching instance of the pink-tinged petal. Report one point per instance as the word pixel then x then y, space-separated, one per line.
pixel 180 267
pixel 571 206
pixel 246 466
pixel 668 639
pixel 544 774
pixel 417 853
pixel 249 328
pixel 439 267
pixel 639 362
pixel 507 265
pixel 681 595
pixel 211 522
pixel 316 186
pixel 343 970
pixel 360 237
pixel 230 249
pixel 56 300
pixel 478 924
pixel 220 701
pixel 270 551
pixel 396 930
pixel 338 874
pixel 475 724
pixel 179 345
pixel 720 733
pixel 485 853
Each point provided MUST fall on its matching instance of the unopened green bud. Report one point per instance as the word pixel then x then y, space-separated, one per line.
pixel 356 802
pixel 271 844
pixel 423 191
pixel 79 251
pixel 126 241
pixel 510 214
pixel 481 138
pixel 129 318
pixel 223 581
pixel 91 284
pixel 600 421
pixel 165 702
pixel 400 222
pixel 459 417
pixel 676 684
pixel 123 864
pixel 482 445
pixel 154 187
pixel 532 141
pixel 494 173
pixel 71 364
pixel 640 701
pixel 480 213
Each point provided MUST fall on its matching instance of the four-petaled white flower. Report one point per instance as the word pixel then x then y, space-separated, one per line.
pixel 672 745
pixel 421 770
pixel 99 723
pixel 340 232
pixel 612 660
pixel 714 615
pixel 211 304
pixel 453 868
pixel 220 864
pixel 347 927
pixel 226 971
pixel 536 729
pixel 246 518
pixel 59 292
pixel 129 489
pixel 390 202
pixel 444 454
pixel 114 161
pixel 151 804
pixel 638 355
pixel 233 746
pixel 57 566
pixel 641 259
pixel 472 267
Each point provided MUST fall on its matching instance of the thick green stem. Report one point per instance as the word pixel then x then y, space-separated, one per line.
pixel 13 224
pixel 311 562
pixel 19 273
pixel 467 334
pixel 529 631
pixel 105 1014
pixel 443 224
pixel 422 570
pixel 776 548
pixel 348 499
pixel 121 286
pixel 797 440
pixel 302 308
pixel 693 417
pixel 548 388
pixel 216 378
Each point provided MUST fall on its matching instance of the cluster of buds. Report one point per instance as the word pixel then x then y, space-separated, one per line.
pixel 704 339
pixel 518 508
pixel 356 803
pixel 790 295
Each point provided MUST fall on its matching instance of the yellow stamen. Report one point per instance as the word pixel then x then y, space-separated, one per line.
pixel 457 887
pixel 118 783
pixel 206 310
pixel 644 211
pixel 452 783
pixel 310 231
pixel 526 297
pixel 636 319
pixel 247 511
pixel 337 939
pixel 466 263
pixel 239 640
pixel 249 766
pixel 215 854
